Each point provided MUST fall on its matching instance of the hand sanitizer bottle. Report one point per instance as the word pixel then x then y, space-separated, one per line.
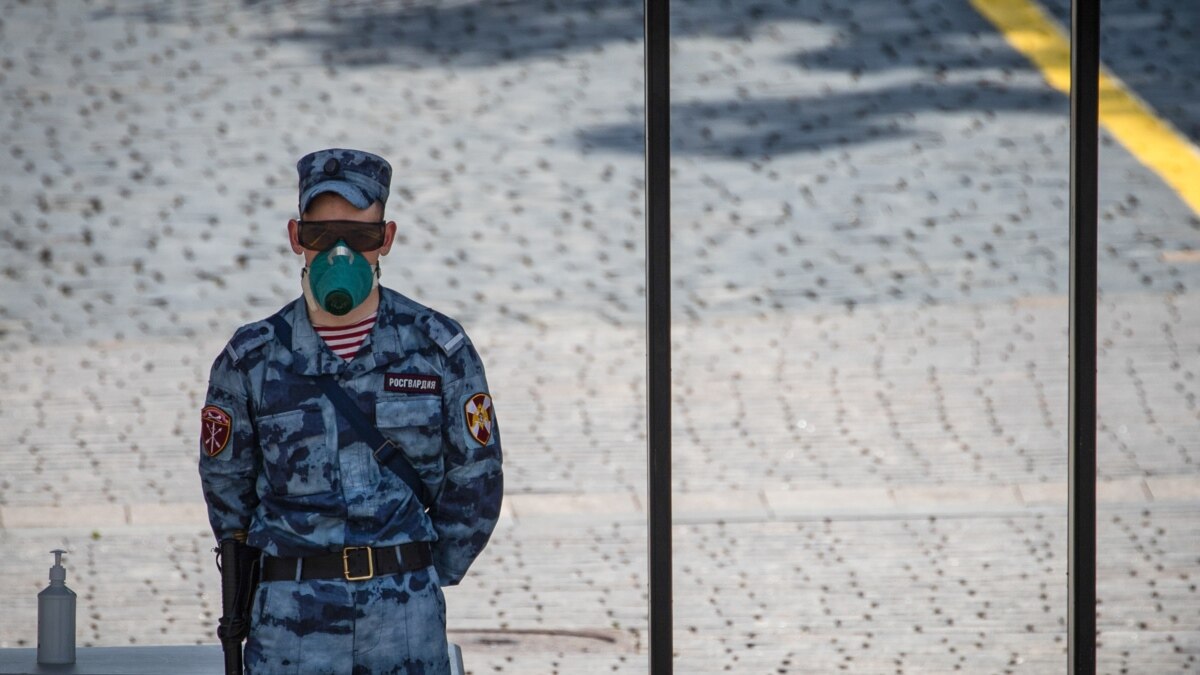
pixel 56 617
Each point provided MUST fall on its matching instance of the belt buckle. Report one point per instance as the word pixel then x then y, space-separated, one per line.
pixel 346 563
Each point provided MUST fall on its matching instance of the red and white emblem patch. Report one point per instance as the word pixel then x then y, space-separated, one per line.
pixel 215 425
pixel 478 416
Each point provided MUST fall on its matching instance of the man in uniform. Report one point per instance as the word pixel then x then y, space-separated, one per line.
pixel 355 548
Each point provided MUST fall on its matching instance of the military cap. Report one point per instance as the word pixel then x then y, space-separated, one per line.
pixel 361 177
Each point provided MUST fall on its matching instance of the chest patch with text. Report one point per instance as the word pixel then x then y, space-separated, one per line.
pixel 412 383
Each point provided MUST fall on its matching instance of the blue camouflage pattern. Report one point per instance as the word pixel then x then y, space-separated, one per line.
pixel 301 482
pixel 393 625
pixel 361 177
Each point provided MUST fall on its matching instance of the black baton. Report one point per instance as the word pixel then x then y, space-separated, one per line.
pixel 229 627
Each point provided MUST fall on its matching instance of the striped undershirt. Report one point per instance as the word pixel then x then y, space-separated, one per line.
pixel 345 340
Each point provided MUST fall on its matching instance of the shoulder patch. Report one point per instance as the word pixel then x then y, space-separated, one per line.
pixel 439 328
pixel 248 338
pixel 443 331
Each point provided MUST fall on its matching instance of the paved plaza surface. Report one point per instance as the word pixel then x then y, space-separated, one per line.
pixel 870 264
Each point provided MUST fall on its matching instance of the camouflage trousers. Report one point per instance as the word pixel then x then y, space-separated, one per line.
pixel 389 625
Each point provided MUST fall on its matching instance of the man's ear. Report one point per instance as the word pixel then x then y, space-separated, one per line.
pixel 294 237
pixel 389 235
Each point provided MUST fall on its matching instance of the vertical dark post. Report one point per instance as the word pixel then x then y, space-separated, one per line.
pixel 1081 528
pixel 658 330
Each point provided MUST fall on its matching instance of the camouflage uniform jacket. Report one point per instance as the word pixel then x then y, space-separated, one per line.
pixel 278 461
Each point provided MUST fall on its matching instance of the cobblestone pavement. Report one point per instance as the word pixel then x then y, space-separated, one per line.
pixel 870 264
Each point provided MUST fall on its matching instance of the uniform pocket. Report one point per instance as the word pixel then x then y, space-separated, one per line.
pixel 296 458
pixel 415 425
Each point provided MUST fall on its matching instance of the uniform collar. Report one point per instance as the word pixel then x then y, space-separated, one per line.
pixel 384 343
pixel 311 356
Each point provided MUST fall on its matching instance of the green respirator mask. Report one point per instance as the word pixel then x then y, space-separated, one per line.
pixel 340 279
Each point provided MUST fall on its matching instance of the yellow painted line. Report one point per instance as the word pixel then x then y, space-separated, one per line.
pixel 1152 140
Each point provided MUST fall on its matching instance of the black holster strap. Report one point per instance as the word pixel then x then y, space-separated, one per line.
pixel 412 556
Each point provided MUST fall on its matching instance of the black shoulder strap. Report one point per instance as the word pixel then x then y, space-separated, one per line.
pixel 385 451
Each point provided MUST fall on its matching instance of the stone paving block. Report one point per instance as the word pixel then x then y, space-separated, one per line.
pixel 817 502
pixel 1044 494
pixel 1174 488
pixel 573 505
pixel 56 517
pixel 1129 490
pixel 193 513
pixel 968 496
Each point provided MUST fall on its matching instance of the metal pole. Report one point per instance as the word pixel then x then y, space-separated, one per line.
pixel 1081 516
pixel 658 330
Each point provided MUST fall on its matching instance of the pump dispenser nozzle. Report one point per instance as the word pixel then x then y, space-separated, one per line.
pixel 58 573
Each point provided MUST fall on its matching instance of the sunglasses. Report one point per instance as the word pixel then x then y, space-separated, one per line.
pixel 319 235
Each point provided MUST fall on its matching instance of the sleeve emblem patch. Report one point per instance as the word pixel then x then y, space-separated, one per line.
pixel 215 426
pixel 478 417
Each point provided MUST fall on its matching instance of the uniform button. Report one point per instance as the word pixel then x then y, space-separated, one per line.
pixel 332 166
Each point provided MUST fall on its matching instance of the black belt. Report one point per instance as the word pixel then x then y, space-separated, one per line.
pixel 353 563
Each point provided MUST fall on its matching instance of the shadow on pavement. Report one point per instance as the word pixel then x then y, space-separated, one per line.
pixel 1149 43
pixel 752 128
